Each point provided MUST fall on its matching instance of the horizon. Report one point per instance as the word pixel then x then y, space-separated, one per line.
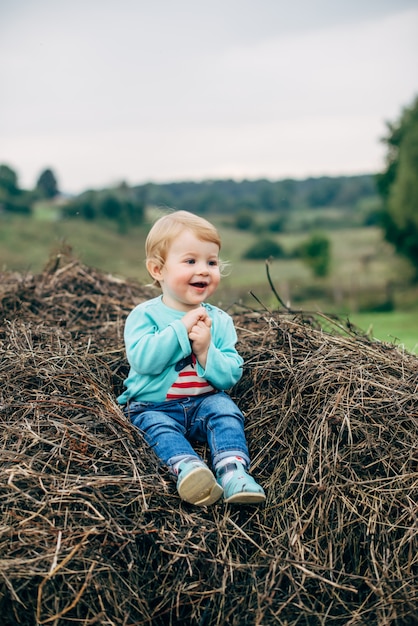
pixel 215 180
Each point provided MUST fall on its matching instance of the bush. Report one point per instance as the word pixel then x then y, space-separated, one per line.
pixel 264 249
pixel 277 225
pixel 316 254
pixel 244 220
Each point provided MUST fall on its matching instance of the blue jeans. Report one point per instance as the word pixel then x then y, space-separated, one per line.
pixel 169 427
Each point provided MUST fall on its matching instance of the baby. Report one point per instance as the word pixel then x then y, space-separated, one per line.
pixel 182 357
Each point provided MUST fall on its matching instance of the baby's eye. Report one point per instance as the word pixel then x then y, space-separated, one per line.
pixel 213 263
pixel 190 261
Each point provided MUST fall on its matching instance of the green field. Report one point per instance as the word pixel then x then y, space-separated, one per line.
pixel 365 272
pixel 399 327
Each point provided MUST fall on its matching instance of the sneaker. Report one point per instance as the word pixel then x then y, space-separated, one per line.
pixel 241 487
pixel 196 483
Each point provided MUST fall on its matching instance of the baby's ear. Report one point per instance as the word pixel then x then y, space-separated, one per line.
pixel 154 269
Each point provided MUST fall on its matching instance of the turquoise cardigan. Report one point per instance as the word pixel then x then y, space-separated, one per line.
pixel 156 340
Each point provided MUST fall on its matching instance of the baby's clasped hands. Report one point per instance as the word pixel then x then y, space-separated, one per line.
pixel 191 318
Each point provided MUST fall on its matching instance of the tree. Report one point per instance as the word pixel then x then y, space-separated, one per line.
pixel 84 206
pixel 47 186
pixel 110 207
pixel 12 199
pixel 120 205
pixel 8 180
pixel 398 185
pixel 323 191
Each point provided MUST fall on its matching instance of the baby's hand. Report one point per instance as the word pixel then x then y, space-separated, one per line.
pixel 194 316
pixel 200 337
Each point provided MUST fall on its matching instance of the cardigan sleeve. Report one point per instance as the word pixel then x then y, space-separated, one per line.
pixel 150 350
pixel 223 364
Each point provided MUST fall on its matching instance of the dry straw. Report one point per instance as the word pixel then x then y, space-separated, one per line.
pixel 91 529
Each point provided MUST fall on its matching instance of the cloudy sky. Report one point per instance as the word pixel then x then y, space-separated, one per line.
pixel 137 90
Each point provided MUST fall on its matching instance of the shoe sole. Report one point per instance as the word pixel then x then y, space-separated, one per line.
pixel 246 497
pixel 200 487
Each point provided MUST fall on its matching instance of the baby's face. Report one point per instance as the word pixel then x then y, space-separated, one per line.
pixel 190 274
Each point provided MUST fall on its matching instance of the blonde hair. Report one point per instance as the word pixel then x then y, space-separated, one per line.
pixel 167 228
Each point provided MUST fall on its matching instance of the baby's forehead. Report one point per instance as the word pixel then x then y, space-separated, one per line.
pixel 192 241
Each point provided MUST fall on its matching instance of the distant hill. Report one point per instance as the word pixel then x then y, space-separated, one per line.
pixel 229 196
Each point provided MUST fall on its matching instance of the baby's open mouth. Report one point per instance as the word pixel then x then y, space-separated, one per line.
pixel 199 285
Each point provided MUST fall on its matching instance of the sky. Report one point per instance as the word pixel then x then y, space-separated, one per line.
pixel 105 91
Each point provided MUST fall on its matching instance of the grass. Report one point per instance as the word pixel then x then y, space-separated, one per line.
pixel 26 244
pixel 399 327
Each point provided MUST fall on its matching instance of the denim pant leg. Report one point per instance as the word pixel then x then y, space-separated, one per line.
pixel 224 425
pixel 163 427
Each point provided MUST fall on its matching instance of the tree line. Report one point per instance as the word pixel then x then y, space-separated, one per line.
pixel 243 199
pixel 281 196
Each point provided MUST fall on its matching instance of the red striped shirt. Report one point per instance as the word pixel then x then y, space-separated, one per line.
pixel 188 383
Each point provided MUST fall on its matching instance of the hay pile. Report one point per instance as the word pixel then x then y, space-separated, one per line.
pixel 91 529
